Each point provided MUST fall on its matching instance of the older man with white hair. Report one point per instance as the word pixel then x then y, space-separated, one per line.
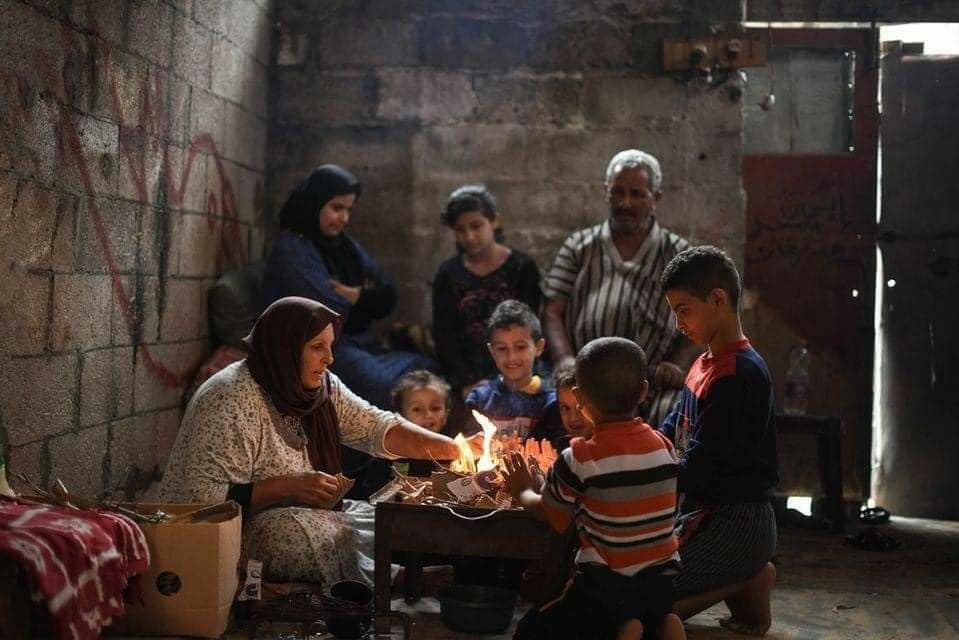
pixel 605 282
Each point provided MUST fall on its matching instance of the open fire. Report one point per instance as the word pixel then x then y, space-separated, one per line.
pixel 494 449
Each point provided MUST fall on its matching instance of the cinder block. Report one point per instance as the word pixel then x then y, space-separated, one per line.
pixel 264 33
pixel 533 101
pixel 167 427
pixel 133 448
pixel 24 306
pixel 103 17
pixel 459 42
pixel 558 206
pixel 182 310
pixel 152 390
pixel 126 84
pixel 99 143
pixel 37 397
pixel 81 311
pixel 26 231
pixel 186 179
pixel 376 154
pixel 106 385
pixel 179 111
pixel 624 100
pixel 595 148
pixel 472 153
pixel 228 70
pixel 424 95
pixel 27 459
pixel 347 96
pixel 190 357
pixel 119 239
pixel 192 51
pixel 238 136
pixel 136 315
pixel 140 170
pixel 38 155
pixel 245 23
pixel 78 459
pixel 64 240
pixel 367 43
pixel 221 188
pixel 206 117
pixel 214 14
pixel 198 246
pixel 150 31
pixel 579 45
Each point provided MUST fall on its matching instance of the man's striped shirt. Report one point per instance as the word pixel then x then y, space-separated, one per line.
pixel 608 296
pixel 619 487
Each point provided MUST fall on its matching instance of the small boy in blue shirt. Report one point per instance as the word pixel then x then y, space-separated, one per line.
pixel 517 399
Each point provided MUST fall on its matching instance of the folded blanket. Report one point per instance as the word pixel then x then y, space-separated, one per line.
pixel 77 563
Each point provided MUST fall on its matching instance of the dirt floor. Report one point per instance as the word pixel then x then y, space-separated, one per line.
pixel 826 590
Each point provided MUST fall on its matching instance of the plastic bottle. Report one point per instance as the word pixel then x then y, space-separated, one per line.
pixel 796 396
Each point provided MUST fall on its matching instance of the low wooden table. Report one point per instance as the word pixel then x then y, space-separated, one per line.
pixel 429 529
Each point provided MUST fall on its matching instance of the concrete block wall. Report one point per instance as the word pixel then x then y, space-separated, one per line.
pixel 531 97
pixel 132 153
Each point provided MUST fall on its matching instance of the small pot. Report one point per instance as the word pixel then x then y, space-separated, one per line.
pixel 351 625
pixel 476 609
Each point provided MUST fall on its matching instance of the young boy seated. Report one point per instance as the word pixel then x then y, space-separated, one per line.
pixel 724 432
pixel 516 399
pixel 619 489
pixel 563 420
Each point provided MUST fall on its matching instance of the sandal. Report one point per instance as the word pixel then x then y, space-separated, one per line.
pixel 872 540
pixel 873 515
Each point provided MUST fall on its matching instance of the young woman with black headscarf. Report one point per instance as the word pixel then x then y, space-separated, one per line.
pixel 314 258
pixel 267 431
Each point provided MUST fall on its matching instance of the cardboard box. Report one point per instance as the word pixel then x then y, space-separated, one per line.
pixel 192 579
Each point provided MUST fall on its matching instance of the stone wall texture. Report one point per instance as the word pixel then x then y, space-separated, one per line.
pixel 132 154
pixel 530 97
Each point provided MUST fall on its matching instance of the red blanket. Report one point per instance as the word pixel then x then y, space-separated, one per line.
pixel 78 563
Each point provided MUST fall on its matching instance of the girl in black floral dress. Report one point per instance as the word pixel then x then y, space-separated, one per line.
pixel 468 286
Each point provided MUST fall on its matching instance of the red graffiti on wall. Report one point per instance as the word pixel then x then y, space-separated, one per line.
pixel 149 132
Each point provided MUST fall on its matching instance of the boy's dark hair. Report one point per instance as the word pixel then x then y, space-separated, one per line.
pixel 470 197
pixel 565 376
pixel 513 313
pixel 418 379
pixel 611 373
pixel 699 270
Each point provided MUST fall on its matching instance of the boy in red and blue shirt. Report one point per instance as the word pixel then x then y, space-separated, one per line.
pixel 724 432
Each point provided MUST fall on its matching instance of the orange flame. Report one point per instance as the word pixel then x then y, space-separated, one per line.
pixel 465 463
pixel 489 429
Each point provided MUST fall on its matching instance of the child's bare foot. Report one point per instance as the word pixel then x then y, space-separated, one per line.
pixel 632 630
pixel 749 608
pixel 672 628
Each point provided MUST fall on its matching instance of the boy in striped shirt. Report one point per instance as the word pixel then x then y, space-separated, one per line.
pixel 619 489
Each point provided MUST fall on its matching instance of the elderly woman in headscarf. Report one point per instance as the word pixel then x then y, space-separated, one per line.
pixel 313 257
pixel 266 431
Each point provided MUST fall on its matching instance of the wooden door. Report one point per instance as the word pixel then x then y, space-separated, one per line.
pixel 809 170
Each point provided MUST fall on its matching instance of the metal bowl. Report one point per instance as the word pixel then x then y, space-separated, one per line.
pixel 476 609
